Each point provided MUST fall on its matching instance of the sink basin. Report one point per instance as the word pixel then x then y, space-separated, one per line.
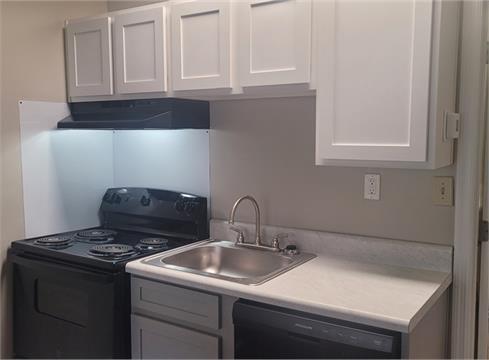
pixel 224 260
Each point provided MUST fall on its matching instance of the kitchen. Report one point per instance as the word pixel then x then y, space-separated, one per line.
pixel 260 143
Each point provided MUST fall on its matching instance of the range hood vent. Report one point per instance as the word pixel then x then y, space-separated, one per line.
pixel 168 113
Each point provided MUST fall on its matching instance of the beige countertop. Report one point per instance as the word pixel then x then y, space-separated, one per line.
pixel 386 296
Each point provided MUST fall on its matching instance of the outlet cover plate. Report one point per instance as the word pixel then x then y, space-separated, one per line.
pixel 371 187
pixel 443 190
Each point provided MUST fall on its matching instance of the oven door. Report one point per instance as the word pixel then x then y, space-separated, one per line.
pixel 64 311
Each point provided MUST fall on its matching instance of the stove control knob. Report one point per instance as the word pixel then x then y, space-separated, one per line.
pixel 110 198
pixel 145 201
pixel 189 207
pixel 179 206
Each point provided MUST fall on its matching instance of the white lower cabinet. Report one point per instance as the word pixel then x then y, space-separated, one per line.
pixel 152 339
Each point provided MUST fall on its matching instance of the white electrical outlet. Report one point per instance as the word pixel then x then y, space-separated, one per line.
pixel 371 187
pixel 443 190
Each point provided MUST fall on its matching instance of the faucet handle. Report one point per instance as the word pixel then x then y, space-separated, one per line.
pixel 277 238
pixel 239 234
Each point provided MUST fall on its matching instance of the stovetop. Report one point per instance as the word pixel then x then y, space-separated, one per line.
pixel 99 247
pixel 144 213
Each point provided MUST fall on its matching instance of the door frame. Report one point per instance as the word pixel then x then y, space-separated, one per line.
pixel 468 177
pixel 483 286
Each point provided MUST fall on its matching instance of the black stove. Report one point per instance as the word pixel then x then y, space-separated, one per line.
pixel 71 292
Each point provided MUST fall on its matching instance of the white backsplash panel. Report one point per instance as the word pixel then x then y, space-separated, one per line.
pixel 66 172
pixel 175 160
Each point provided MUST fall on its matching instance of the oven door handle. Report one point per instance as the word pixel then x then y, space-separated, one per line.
pixel 63 269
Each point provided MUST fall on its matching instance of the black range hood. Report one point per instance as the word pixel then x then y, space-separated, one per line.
pixel 168 113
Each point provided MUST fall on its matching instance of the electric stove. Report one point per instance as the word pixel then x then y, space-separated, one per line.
pixel 71 292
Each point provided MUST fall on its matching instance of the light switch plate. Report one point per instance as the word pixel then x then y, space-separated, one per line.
pixel 371 187
pixel 443 190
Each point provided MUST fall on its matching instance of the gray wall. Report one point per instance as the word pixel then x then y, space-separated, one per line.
pixel 266 148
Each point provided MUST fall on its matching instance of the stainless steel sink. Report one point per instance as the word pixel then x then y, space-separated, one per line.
pixel 224 260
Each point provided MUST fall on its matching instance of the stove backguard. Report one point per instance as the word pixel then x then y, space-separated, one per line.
pixel 159 211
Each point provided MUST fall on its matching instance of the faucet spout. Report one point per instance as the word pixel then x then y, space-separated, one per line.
pixel 257 216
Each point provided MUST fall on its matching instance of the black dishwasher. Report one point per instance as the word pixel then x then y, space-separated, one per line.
pixel 266 332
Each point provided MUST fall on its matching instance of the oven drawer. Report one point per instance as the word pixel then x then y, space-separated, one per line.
pixel 169 301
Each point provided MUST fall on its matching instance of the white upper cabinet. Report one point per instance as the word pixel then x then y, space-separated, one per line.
pixel 89 57
pixel 386 74
pixel 274 42
pixel 384 71
pixel 201 45
pixel 139 51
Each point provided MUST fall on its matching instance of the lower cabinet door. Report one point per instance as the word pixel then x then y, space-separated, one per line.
pixel 153 339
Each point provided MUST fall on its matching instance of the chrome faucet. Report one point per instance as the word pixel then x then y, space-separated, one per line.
pixel 257 216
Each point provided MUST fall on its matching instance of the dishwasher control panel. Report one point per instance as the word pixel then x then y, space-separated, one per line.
pixel 345 335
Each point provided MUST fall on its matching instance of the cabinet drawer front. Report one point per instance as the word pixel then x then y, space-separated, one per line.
pixel 175 302
pixel 153 339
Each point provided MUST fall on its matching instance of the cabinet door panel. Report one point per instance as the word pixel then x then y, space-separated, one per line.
pixel 153 339
pixel 89 58
pixel 175 302
pixel 201 45
pixel 373 80
pixel 275 42
pixel 140 51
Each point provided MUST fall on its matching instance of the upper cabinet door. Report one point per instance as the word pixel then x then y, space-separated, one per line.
pixel 140 56
pixel 201 49
pixel 89 57
pixel 373 80
pixel 275 42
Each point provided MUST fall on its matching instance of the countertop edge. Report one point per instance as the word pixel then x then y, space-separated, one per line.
pixel 431 301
